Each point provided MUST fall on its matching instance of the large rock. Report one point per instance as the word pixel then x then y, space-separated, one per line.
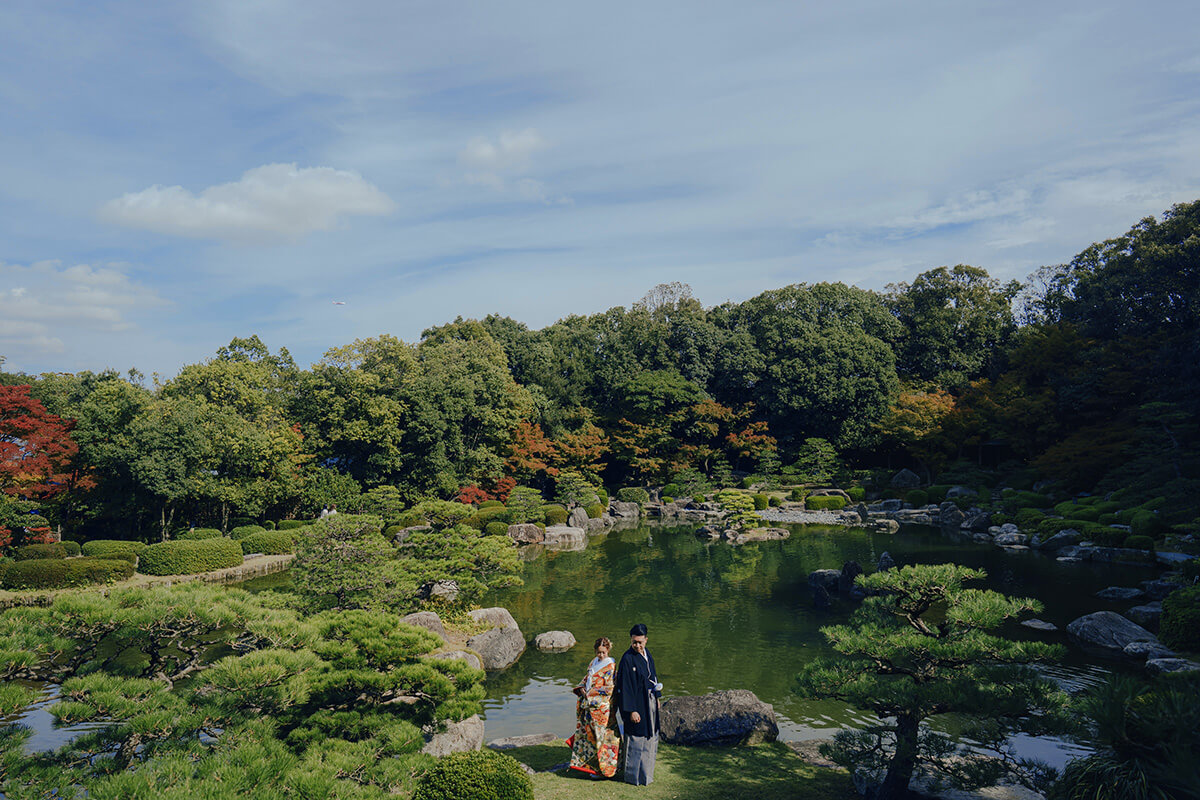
pixel 886 562
pixel 1068 537
pixel 565 537
pixel 458 737
pixel 427 620
pixel 825 578
pixel 719 719
pixel 1108 631
pixel 961 491
pixel 494 617
pixel 978 521
pixel 1147 615
pixel 951 515
pixel 594 527
pixel 526 533
pixel 1158 589
pixel 528 740
pixel 863 512
pixel 1010 539
pixel 578 518
pixel 1119 593
pixel 471 659
pixel 439 590
pixel 747 535
pixel 890 506
pixel 1171 665
pixel 554 641
pixel 850 571
pixel 624 510
pixel 498 648
pixel 906 479
pixel 886 526
pixel 1144 651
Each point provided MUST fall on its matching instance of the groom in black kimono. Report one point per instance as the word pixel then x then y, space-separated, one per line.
pixel 636 697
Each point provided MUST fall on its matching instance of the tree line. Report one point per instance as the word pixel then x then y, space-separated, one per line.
pixel 1087 373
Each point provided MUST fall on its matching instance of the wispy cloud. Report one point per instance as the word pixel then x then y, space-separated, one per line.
pixel 501 164
pixel 271 202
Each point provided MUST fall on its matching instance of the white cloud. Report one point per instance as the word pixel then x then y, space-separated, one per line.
pixel 42 303
pixel 271 202
pixel 499 165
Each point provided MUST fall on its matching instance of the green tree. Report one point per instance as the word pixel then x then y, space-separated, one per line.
pixel 525 505
pixel 918 647
pixel 340 562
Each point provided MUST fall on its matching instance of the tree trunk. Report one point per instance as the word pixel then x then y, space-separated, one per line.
pixel 895 783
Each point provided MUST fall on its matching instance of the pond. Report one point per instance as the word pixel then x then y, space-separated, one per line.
pixel 726 617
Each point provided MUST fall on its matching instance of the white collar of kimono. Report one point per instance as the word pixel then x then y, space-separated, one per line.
pixel 599 663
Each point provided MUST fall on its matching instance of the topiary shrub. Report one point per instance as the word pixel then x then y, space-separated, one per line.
pixel 1135 542
pixel 1109 519
pixel 71 547
pixel 761 501
pixel 1179 627
pixel 774 502
pixel 603 495
pixel 1146 523
pixel 937 492
pixel 497 512
pixel 475 775
pixel 34 551
pixel 187 557
pixel 56 573
pixel 242 531
pixel 201 533
pixel 633 494
pixel 595 511
pixel 797 495
pixel 290 524
pixel 857 493
pixel 832 502
pixel 491 504
pixel 268 524
pixel 748 482
pixel 1028 518
pixel 671 489
pixel 555 514
pixel 269 543
pixel 496 528
pixel 917 497
pixel 113 548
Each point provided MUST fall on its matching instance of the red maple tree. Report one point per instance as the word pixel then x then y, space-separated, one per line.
pixel 37 453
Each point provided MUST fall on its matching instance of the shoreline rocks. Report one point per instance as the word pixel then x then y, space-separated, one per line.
pixel 500 646
pixel 1109 631
pixel 731 717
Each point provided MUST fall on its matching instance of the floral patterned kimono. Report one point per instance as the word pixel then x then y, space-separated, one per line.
pixel 594 746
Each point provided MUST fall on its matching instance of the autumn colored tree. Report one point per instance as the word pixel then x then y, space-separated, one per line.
pixel 914 420
pixel 37 453
pixel 531 454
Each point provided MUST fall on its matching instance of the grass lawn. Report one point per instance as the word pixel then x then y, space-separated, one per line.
pixel 766 772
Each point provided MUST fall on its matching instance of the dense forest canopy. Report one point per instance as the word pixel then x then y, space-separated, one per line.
pixel 1094 382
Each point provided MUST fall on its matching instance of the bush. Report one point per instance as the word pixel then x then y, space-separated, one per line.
pixel 475 775
pixel 113 548
pixel 1109 519
pixel 594 511
pixel 410 518
pixel 1028 518
pixel 633 494
pixel 71 547
pixel 1146 523
pixel 268 524
pixel 1179 627
pixel 555 514
pixel 186 557
pixel 391 530
pixel 242 531
pixel 237 522
pixel 53 573
pixel 491 504
pixel 1135 542
pixel 497 512
pixel 917 497
pixel 699 498
pixel 671 489
pixel 34 551
pixel 774 502
pixel 798 495
pixel 496 528
pixel 603 495
pixel 269 543
pixel 761 501
pixel 857 493
pixel 200 533
pixel 937 492
pixel 666 498
pixel 290 524
pixel 748 482
pixel 832 502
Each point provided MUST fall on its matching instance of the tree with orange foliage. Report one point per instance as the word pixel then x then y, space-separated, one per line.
pixel 37 452
pixel 531 453
pixel 915 419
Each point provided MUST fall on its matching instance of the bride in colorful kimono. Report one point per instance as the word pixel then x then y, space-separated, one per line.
pixel 594 746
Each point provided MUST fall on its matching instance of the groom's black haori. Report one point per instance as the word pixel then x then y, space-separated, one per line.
pixel 637 690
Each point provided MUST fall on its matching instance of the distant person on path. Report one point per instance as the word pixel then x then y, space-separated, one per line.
pixel 637 698
pixel 595 745
pixel 324 512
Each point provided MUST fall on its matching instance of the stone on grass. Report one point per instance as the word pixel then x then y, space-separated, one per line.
pixel 1040 625
pixel 1144 651
pixel 724 718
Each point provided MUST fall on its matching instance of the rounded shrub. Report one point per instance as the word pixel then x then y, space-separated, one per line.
pixel 201 533
pixel 113 548
pixel 699 498
pixel 491 504
pixel 34 551
pixel 917 497
pixel 71 547
pixel 475 775
pixel 555 514
pixel 633 494
pixel 774 502
pixel 748 482
pixel 268 524
pixel 671 489
pixel 1135 542
pixel 1028 518
pixel 603 495
pixel 391 530
pixel 1145 523
pixel 57 573
pixel 189 556
pixel 269 543
pixel 832 502
pixel 496 512
pixel 1109 519
pixel 1179 627
pixel 797 495
pixel 761 501
pixel 666 498
pixel 474 521
pixel 937 492
pixel 857 493
pixel 496 528
pixel 242 531
pixel 290 524
pixel 594 511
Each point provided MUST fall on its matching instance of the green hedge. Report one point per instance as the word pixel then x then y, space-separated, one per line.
pixel 797 495
pixel 555 514
pixel 187 557
pixel 633 494
pixel 1029 518
pixel 291 524
pixel 917 497
pixel 270 543
pixel 832 502
pixel 595 511
pixel 113 548
pixel 761 501
pixel 1136 542
pixel 937 492
pixel 72 547
pixel 53 573
pixel 1179 626
pixel 603 495
pixel 1146 523
pixel 857 493
pixel 242 531
pixel 496 528
pixel 774 502
pixel 200 533
pixel 671 489
pixel 35 551
pixel 491 504
pixel 475 775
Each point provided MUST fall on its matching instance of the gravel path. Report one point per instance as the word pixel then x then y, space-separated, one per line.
pixel 811 517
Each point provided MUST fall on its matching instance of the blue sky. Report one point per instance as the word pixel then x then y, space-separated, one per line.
pixel 174 174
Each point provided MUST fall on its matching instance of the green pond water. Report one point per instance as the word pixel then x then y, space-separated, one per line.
pixel 726 617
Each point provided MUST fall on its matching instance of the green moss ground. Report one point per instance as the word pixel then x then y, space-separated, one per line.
pixel 766 772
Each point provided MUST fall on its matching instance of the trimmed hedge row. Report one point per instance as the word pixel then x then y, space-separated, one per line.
pixel 36 551
pixel 242 531
pixel 113 548
pixel 832 502
pixel 290 524
pixel 199 533
pixel 56 573
pixel 189 556
pixel 633 494
pixel 270 543
pixel 72 547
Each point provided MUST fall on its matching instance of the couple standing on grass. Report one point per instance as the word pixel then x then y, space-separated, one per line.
pixel 633 688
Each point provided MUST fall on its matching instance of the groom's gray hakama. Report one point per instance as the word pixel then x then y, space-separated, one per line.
pixel 640 752
pixel 636 690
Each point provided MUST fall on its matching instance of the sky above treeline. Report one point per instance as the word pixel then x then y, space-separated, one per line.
pixel 174 174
